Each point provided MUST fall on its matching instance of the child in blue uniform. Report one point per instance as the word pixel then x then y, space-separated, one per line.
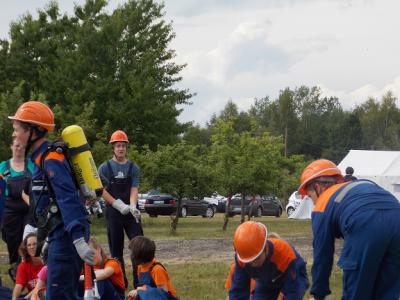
pixel 276 267
pixel 154 281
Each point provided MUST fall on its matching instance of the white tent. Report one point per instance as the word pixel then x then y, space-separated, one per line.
pixel 382 167
pixel 304 210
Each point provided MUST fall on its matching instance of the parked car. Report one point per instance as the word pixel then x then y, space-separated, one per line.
pixel 161 204
pixel 218 202
pixel 271 205
pixel 166 204
pixel 196 207
pixel 293 203
pixel 265 205
pixel 142 197
pixel 253 202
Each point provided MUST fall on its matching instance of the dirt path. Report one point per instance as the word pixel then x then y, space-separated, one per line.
pixel 183 251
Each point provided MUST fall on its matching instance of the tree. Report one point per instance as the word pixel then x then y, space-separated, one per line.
pixel 245 162
pixel 177 169
pixel 120 61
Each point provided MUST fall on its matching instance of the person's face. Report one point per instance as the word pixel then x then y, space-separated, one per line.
pixel 20 135
pixel 119 149
pixel 258 262
pixel 312 190
pixel 97 259
pixel 17 149
pixel 31 245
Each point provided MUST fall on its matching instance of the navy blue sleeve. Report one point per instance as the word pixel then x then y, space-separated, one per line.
pixel 104 176
pixel 240 284
pixel 67 196
pixel 135 176
pixel 323 250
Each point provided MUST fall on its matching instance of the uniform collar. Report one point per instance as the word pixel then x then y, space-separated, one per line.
pixel 147 266
pixel 37 154
pixel 270 249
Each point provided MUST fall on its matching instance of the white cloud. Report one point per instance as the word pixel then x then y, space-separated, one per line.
pixel 241 50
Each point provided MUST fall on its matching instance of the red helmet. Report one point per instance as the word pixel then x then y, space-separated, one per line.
pixel 316 169
pixel 118 136
pixel 35 113
pixel 249 240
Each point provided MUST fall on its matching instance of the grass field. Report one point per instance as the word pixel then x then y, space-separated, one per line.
pixel 201 279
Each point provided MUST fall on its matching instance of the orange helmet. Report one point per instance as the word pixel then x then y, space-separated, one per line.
pixel 36 113
pixel 249 240
pixel 118 136
pixel 316 169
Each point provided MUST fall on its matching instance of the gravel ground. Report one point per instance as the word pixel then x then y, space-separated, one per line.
pixel 218 249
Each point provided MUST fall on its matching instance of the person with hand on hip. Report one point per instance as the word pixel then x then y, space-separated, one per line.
pixel 120 178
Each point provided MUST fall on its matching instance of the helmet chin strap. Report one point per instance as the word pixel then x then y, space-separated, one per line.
pixel 39 135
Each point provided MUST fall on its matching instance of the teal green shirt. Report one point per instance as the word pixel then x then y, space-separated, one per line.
pixel 13 173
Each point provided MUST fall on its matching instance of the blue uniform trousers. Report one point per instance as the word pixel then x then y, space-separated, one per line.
pixel 370 257
pixel 64 267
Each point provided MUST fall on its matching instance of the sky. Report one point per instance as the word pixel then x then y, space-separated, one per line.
pixel 239 50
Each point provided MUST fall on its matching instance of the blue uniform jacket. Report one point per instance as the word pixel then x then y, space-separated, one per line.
pixel 329 221
pixel 283 271
pixel 69 202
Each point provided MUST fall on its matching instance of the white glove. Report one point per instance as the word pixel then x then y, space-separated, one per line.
pixel 121 207
pixel 84 251
pixel 135 212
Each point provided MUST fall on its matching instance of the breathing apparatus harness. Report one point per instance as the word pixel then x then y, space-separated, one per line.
pixel 52 215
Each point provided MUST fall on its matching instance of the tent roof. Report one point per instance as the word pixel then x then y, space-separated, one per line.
pixel 372 163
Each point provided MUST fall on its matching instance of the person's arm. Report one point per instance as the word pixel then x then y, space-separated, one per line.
pixel 134 196
pixel 160 277
pixel 107 197
pixel 105 273
pixel 240 284
pixel 40 284
pixel 25 197
pixel 72 209
pixel 323 250
pixel 17 291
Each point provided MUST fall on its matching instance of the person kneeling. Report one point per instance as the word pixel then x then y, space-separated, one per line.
pixel 278 270
pixel 108 272
pixel 154 281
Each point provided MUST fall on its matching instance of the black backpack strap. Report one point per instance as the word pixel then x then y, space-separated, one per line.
pixel 151 269
pixel 7 171
pixel 156 264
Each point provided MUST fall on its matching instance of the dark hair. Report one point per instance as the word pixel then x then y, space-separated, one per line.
pixel 142 250
pixel 349 170
pixel 23 248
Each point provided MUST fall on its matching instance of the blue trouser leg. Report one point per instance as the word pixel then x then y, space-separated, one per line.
pixel 108 291
pixel 387 283
pixel 64 268
pixel 371 246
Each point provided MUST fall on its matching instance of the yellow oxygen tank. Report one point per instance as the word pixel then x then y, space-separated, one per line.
pixel 82 162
